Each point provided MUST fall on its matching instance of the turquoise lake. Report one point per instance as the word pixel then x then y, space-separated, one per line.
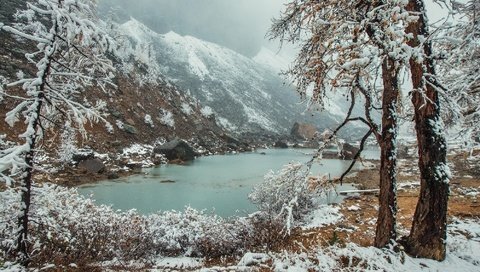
pixel 219 183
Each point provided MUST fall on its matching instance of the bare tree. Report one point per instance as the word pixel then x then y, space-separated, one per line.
pixel 346 47
pixel 68 57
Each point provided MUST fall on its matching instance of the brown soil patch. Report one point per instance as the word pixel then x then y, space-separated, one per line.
pixel 360 212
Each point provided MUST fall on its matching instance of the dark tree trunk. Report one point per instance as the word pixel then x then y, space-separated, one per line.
pixel 428 234
pixel 26 183
pixel 386 222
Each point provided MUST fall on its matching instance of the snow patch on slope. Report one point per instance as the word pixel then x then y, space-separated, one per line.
pixel 272 60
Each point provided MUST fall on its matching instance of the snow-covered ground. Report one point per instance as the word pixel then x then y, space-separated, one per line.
pixel 175 241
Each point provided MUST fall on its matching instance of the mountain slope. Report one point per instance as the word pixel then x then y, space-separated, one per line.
pixel 245 95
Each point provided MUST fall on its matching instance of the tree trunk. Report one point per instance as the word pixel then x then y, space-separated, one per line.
pixel 26 185
pixel 386 222
pixel 428 234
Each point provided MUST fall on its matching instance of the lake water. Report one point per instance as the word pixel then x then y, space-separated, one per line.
pixel 219 183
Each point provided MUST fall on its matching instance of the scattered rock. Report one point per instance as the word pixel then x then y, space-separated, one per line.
pixel 176 150
pixel 167 181
pixel 329 154
pixel 115 113
pixel 311 144
pixel 348 151
pixel 130 121
pixel 113 175
pixel 92 166
pixel 130 129
pixel 280 144
pixel 83 154
pixel 303 131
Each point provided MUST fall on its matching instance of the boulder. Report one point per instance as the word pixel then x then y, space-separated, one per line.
pixel 303 131
pixel 176 150
pixel 311 144
pixel 82 154
pixel 130 129
pixel 92 166
pixel 348 151
pixel 280 144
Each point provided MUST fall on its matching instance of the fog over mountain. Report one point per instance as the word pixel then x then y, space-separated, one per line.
pixel 238 25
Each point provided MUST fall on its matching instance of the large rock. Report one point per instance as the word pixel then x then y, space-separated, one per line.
pixel 280 144
pixel 82 155
pixel 348 151
pixel 303 131
pixel 92 166
pixel 176 150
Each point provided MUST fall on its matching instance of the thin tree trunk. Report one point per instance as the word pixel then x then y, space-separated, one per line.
pixel 428 234
pixel 26 182
pixel 25 189
pixel 386 222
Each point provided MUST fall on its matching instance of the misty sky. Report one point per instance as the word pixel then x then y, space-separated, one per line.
pixel 240 25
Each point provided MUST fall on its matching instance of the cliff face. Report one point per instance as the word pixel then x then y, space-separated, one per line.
pixel 303 131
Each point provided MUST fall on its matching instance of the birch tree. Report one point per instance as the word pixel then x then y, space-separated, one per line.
pixel 68 58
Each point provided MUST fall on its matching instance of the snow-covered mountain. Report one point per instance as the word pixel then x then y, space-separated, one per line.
pixel 245 94
pixel 272 60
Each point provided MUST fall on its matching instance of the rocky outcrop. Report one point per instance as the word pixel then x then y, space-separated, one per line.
pixel 92 166
pixel 348 151
pixel 82 155
pixel 176 150
pixel 303 131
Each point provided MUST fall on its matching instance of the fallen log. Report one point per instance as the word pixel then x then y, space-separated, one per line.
pixel 370 191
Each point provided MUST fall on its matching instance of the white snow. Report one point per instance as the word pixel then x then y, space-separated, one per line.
pixel 166 118
pixel 177 263
pixel 196 65
pixel 354 208
pixel 323 216
pixel 206 111
pixel 148 120
pixel 186 108
pixel 272 60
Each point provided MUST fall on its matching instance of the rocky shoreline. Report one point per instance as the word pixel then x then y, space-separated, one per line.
pixel 88 166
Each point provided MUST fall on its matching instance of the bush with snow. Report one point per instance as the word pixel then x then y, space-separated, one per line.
pixel 166 118
pixel 119 124
pixel 193 233
pixel 186 108
pixel 69 228
pixel 286 194
pixel 206 111
pixel 66 226
pixel 148 120
pixel 68 145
